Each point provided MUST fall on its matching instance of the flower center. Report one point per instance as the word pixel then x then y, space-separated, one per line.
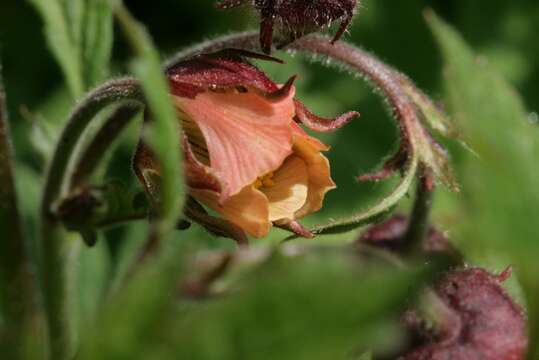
pixel 264 181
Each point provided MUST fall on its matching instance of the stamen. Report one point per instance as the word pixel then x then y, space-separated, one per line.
pixel 264 181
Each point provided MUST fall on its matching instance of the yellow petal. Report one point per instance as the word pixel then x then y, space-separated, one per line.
pixel 288 192
pixel 320 181
pixel 248 209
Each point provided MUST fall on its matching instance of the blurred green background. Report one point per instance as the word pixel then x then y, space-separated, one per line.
pixel 493 216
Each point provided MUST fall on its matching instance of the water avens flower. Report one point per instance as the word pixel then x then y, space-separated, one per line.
pixel 246 156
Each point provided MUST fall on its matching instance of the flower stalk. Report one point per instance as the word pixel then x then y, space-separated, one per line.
pixel 418 225
pixel 53 239
pixel 17 293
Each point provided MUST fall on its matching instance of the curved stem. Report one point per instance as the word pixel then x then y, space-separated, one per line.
pixel 101 142
pixel 111 92
pixel 54 284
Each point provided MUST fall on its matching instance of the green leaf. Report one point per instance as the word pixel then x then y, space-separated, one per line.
pixel 280 309
pixel 164 133
pixel 98 40
pixel 500 196
pixel 133 317
pixel 61 39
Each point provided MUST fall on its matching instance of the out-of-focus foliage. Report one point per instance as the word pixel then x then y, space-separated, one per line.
pixel 500 181
pixel 322 302
pixel 326 299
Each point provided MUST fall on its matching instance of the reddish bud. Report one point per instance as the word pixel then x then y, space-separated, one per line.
pixel 288 20
pixel 478 321
pixel 390 235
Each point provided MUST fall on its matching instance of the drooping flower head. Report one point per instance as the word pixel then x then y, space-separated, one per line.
pixel 246 157
pixel 288 20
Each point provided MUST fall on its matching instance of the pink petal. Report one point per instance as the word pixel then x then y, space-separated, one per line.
pixel 247 135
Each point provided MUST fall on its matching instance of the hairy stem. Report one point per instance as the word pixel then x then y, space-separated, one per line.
pixel 101 142
pixel 418 226
pixel 52 234
pixel 17 290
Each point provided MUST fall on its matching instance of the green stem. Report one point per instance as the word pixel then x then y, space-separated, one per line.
pixel 418 227
pixel 52 234
pixel 102 142
pixel 17 288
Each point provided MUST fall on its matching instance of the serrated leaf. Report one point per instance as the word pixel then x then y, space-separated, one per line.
pixel 500 186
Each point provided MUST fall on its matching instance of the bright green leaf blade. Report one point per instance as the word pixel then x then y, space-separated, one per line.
pixel 98 40
pixel 61 41
pixel 500 196
pixel 164 134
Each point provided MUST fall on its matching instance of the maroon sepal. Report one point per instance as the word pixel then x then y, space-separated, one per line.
pixel 221 70
pixel 296 228
pixel 390 167
pixel 320 124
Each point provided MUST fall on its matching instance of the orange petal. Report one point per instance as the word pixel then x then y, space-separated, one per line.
pixel 248 209
pixel 247 135
pixel 289 192
pixel 320 181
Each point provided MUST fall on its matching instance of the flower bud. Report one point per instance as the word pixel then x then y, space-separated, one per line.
pixel 245 155
pixel 288 20
pixel 477 319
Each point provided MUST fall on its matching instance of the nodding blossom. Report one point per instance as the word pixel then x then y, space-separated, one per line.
pixel 246 156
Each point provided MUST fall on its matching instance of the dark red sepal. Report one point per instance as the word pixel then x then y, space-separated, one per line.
pixel 223 70
pixel 320 124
